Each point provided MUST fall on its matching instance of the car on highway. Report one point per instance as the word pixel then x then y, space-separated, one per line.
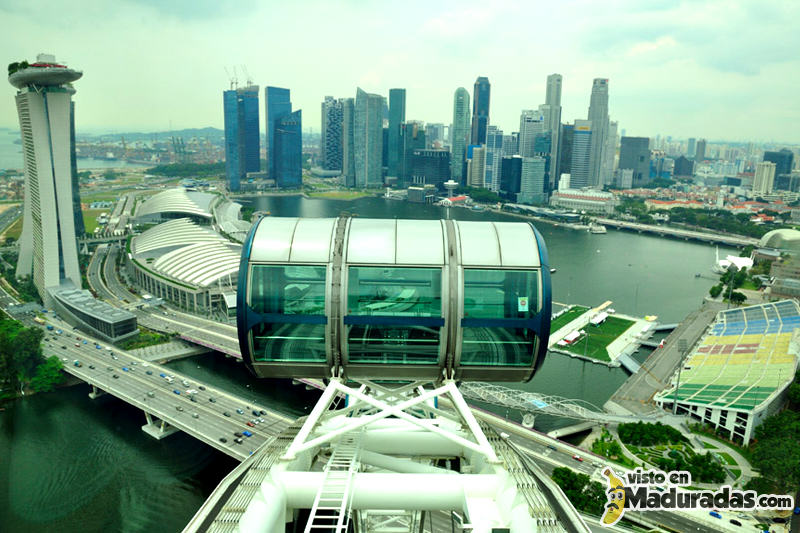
pixel 735 522
pixel 552 447
pixel 262 412
pixel 149 372
pixel 125 369
pixel 150 393
pixel 176 391
pixel 212 400
pixel 255 412
pixel 223 440
pixel 115 376
pixel 226 413
pixel 201 387
pixel 179 408
pixel 247 433
pixel 63 347
pixel 91 366
pixel 715 514
pixel 578 458
pixel 238 440
pixel 241 412
pixel 162 375
pixel 195 415
pixel 251 424
pixel 237 434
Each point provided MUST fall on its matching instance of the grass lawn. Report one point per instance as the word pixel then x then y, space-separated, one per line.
pixel 340 195
pixel 15 229
pixel 90 218
pixel 708 446
pixel 597 338
pixel 727 458
pixel 567 317
pixel 736 472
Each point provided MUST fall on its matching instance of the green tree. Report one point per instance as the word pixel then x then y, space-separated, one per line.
pixel 738 298
pixel 584 494
pixel 715 290
pixel 48 375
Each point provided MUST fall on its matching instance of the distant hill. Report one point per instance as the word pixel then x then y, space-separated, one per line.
pixel 212 134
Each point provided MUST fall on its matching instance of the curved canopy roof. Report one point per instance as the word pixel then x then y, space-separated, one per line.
pixel 178 200
pixel 784 239
pixel 172 234
pixel 201 264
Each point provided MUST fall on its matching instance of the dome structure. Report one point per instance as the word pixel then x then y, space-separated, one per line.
pixel 783 239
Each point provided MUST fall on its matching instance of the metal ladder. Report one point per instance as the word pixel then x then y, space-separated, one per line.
pixel 331 509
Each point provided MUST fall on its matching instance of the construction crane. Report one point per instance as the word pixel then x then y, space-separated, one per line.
pixel 232 79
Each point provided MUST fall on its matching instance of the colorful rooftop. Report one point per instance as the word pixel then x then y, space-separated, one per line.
pixel 743 360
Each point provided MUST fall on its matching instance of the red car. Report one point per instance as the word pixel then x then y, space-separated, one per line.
pixel 251 424
pixel 578 458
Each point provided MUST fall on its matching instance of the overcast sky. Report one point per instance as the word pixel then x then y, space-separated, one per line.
pixel 716 69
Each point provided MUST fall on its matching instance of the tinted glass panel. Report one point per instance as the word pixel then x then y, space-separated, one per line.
pixel 291 292
pixel 500 293
pixel 497 346
pixel 382 293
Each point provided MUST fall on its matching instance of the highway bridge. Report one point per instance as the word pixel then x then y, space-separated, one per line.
pixel 665 231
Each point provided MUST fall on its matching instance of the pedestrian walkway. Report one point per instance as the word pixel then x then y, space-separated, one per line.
pixel 168 351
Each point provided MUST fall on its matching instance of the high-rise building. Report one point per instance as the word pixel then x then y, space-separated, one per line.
pixel 412 137
pixel 242 140
pixel 434 135
pixel 700 151
pixel 494 155
pixel 48 244
pixel 532 180
pixel 368 139
pixel 510 176
pixel 580 164
pixel 610 153
pixel 764 177
pixel 683 166
pixel 287 153
pixel 277 103
pixel 598 115
pixel 511 144
pixel 531 124
pixel 783 161
pixel 331 138
pixel 460 133
pixel 480 110
pixel 691 147
pixel 80 229
pixel 348 140
pixel 397 115
pixel 476 165
pixel 428 167
pixel 553 99
pixel 565 150
pixel 634 154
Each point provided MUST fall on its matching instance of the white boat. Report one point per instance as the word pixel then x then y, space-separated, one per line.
pixel 597 228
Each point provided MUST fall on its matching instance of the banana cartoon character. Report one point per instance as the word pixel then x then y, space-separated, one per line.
pixel 616 499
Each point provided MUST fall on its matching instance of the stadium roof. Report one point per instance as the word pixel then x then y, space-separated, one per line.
pixel 786 239
pixel 745 358
pixel 172 234
pixel 178 200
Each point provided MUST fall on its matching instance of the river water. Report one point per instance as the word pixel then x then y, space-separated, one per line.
pixel 68 463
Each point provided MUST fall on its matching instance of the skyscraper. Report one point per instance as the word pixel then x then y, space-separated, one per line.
pixel 242 140
pixel 412 138
pixel 80 229
pixel 288 150
pixel 348 139
pixel 48 244
pixel 581 154
pixel 434 133
pixel 764 178
pixel 368 139
pixel 700 152
pixel 277 103
pixel 532 181
pixel 460 133
pixel 476 165
pixel 510 177
pixel 553 99
pixel 397 115
pixel 531 124
pixel 598 115
pixel 634 154
pixel 331 138
pixel 494 156
pixel 691 147
pixel 480 110
pixel 612 141
pixel 783 161
pixel 565 151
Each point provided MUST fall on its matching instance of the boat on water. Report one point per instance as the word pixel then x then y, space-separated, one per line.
pixel 597 228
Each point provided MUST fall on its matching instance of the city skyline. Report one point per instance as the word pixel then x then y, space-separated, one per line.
pixel 697 70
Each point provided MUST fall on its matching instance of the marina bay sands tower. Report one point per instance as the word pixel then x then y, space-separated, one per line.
pixel 48 244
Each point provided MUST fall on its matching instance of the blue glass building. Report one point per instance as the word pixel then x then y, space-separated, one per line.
pixel 288 151
pixel 278 103
pixel 242 143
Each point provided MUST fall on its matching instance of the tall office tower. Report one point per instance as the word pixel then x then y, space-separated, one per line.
pixel 580 165
pixel 287 152
pixel 429 167
pixel 634 154
pixel 368 139
pixel 700 151
pixel 612 141
pixel 331 138
pixel 434 134
pixel 412 138
pixel 511 144
pixel 494 155
pixel 553 99
pixel 480 110
pixel 764 178
pixel 691 147
pixel 397 115
pixel 783 161
pixel 598 115
pixel 683 166
pixel 565 150
pixel 242 140
pixel 510 176
pixel 48 244
pixel 531 123
pixel 460 133
pixel 532 181
pixel 476 165
pixel 80 229
pixel 277 103
pixel 348 149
